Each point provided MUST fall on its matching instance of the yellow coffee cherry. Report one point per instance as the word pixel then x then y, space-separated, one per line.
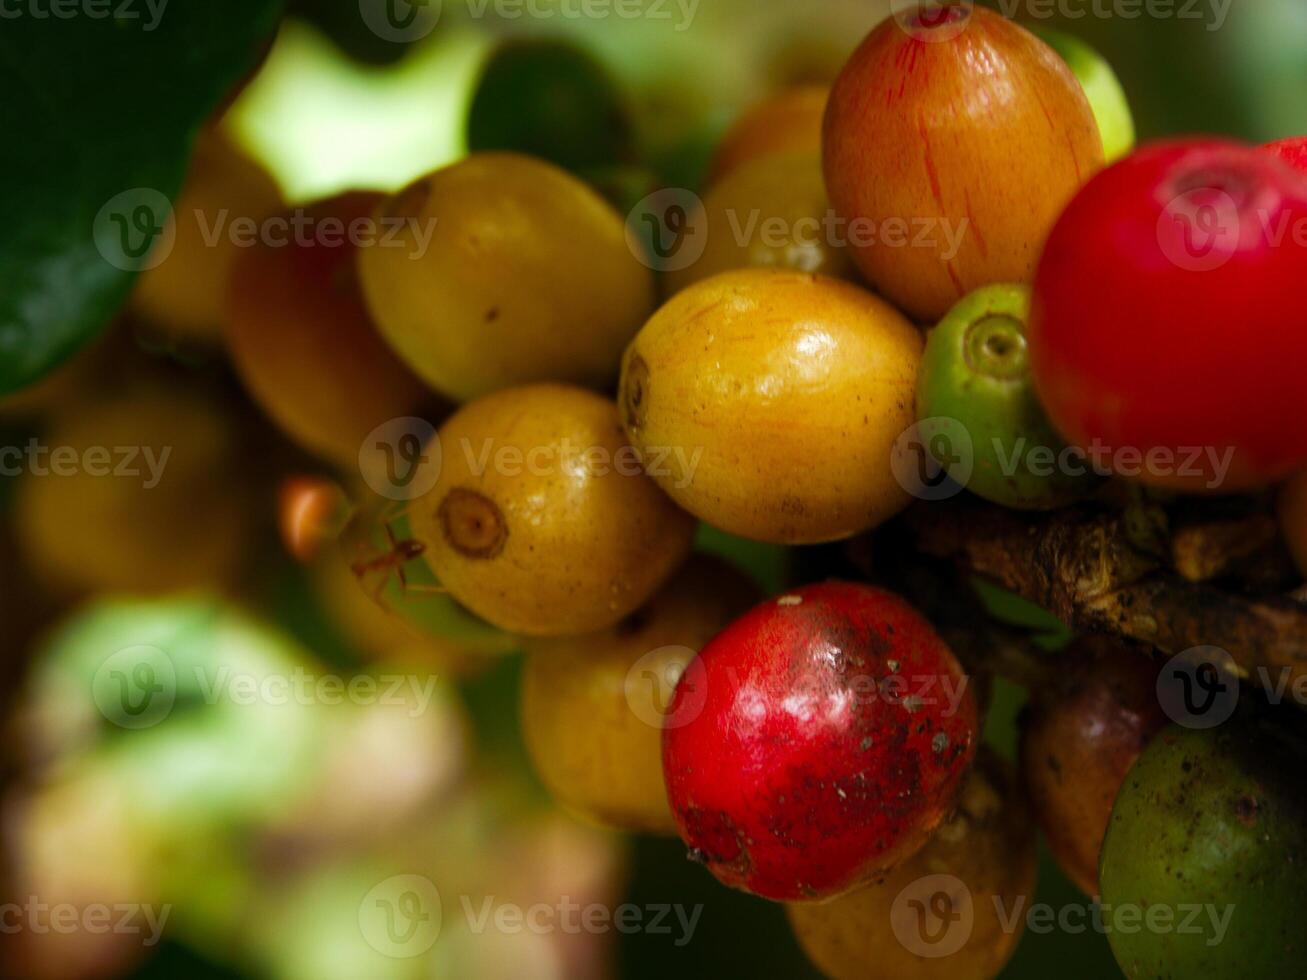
pixel 593 707
pixel 542 521
pixel 505 270
pixel 767 403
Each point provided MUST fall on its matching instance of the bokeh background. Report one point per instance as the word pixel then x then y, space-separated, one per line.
pixel 263 831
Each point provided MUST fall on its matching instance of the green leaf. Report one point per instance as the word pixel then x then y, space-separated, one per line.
pixel 102 101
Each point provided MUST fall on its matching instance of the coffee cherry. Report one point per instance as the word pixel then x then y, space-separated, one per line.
pixel 975 372
pixel 131 502
pixel 501 270
pixel 825 735
pixel 541 520
pixel 978 862
pixel 185 296
pixel 301 339
pixel 1180 373
pixel 787 123
pixel 1079 739
pixel 770 212
pixel 770 402
pixel 963 124
pixel 1214 820
pixel 593 707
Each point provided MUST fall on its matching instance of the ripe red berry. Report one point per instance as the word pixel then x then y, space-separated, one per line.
pixel 1168 330
pixel 817 741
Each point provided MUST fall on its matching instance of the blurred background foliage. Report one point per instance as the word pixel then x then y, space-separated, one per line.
pixel 263 836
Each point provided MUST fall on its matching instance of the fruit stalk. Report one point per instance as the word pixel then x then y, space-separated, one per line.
pixel 1081 566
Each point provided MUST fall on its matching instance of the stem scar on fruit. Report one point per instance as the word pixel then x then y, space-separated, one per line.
pixel 473 524
pixel 637 374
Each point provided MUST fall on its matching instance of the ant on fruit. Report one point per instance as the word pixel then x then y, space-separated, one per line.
pixel 391 563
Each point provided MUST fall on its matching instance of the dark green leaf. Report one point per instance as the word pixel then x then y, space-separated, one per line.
pixel 99 108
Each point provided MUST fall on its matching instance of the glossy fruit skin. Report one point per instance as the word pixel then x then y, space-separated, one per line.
pixel 759 379
pixel 975 371
pixel 597 754
pixel 802 775
pixel 541 521
pixel 986 131
pixel 303 344
pixel 497 298
pixel 1106 97
pixel 988 845
pixel 1219 817
pixel 1291 508
pixel 1147 365
pixel 1079 738
pixel 549 99
pixel 770 212
pixel 92 531
pixel 1292 150
pixel 788 122
pixel 185 296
